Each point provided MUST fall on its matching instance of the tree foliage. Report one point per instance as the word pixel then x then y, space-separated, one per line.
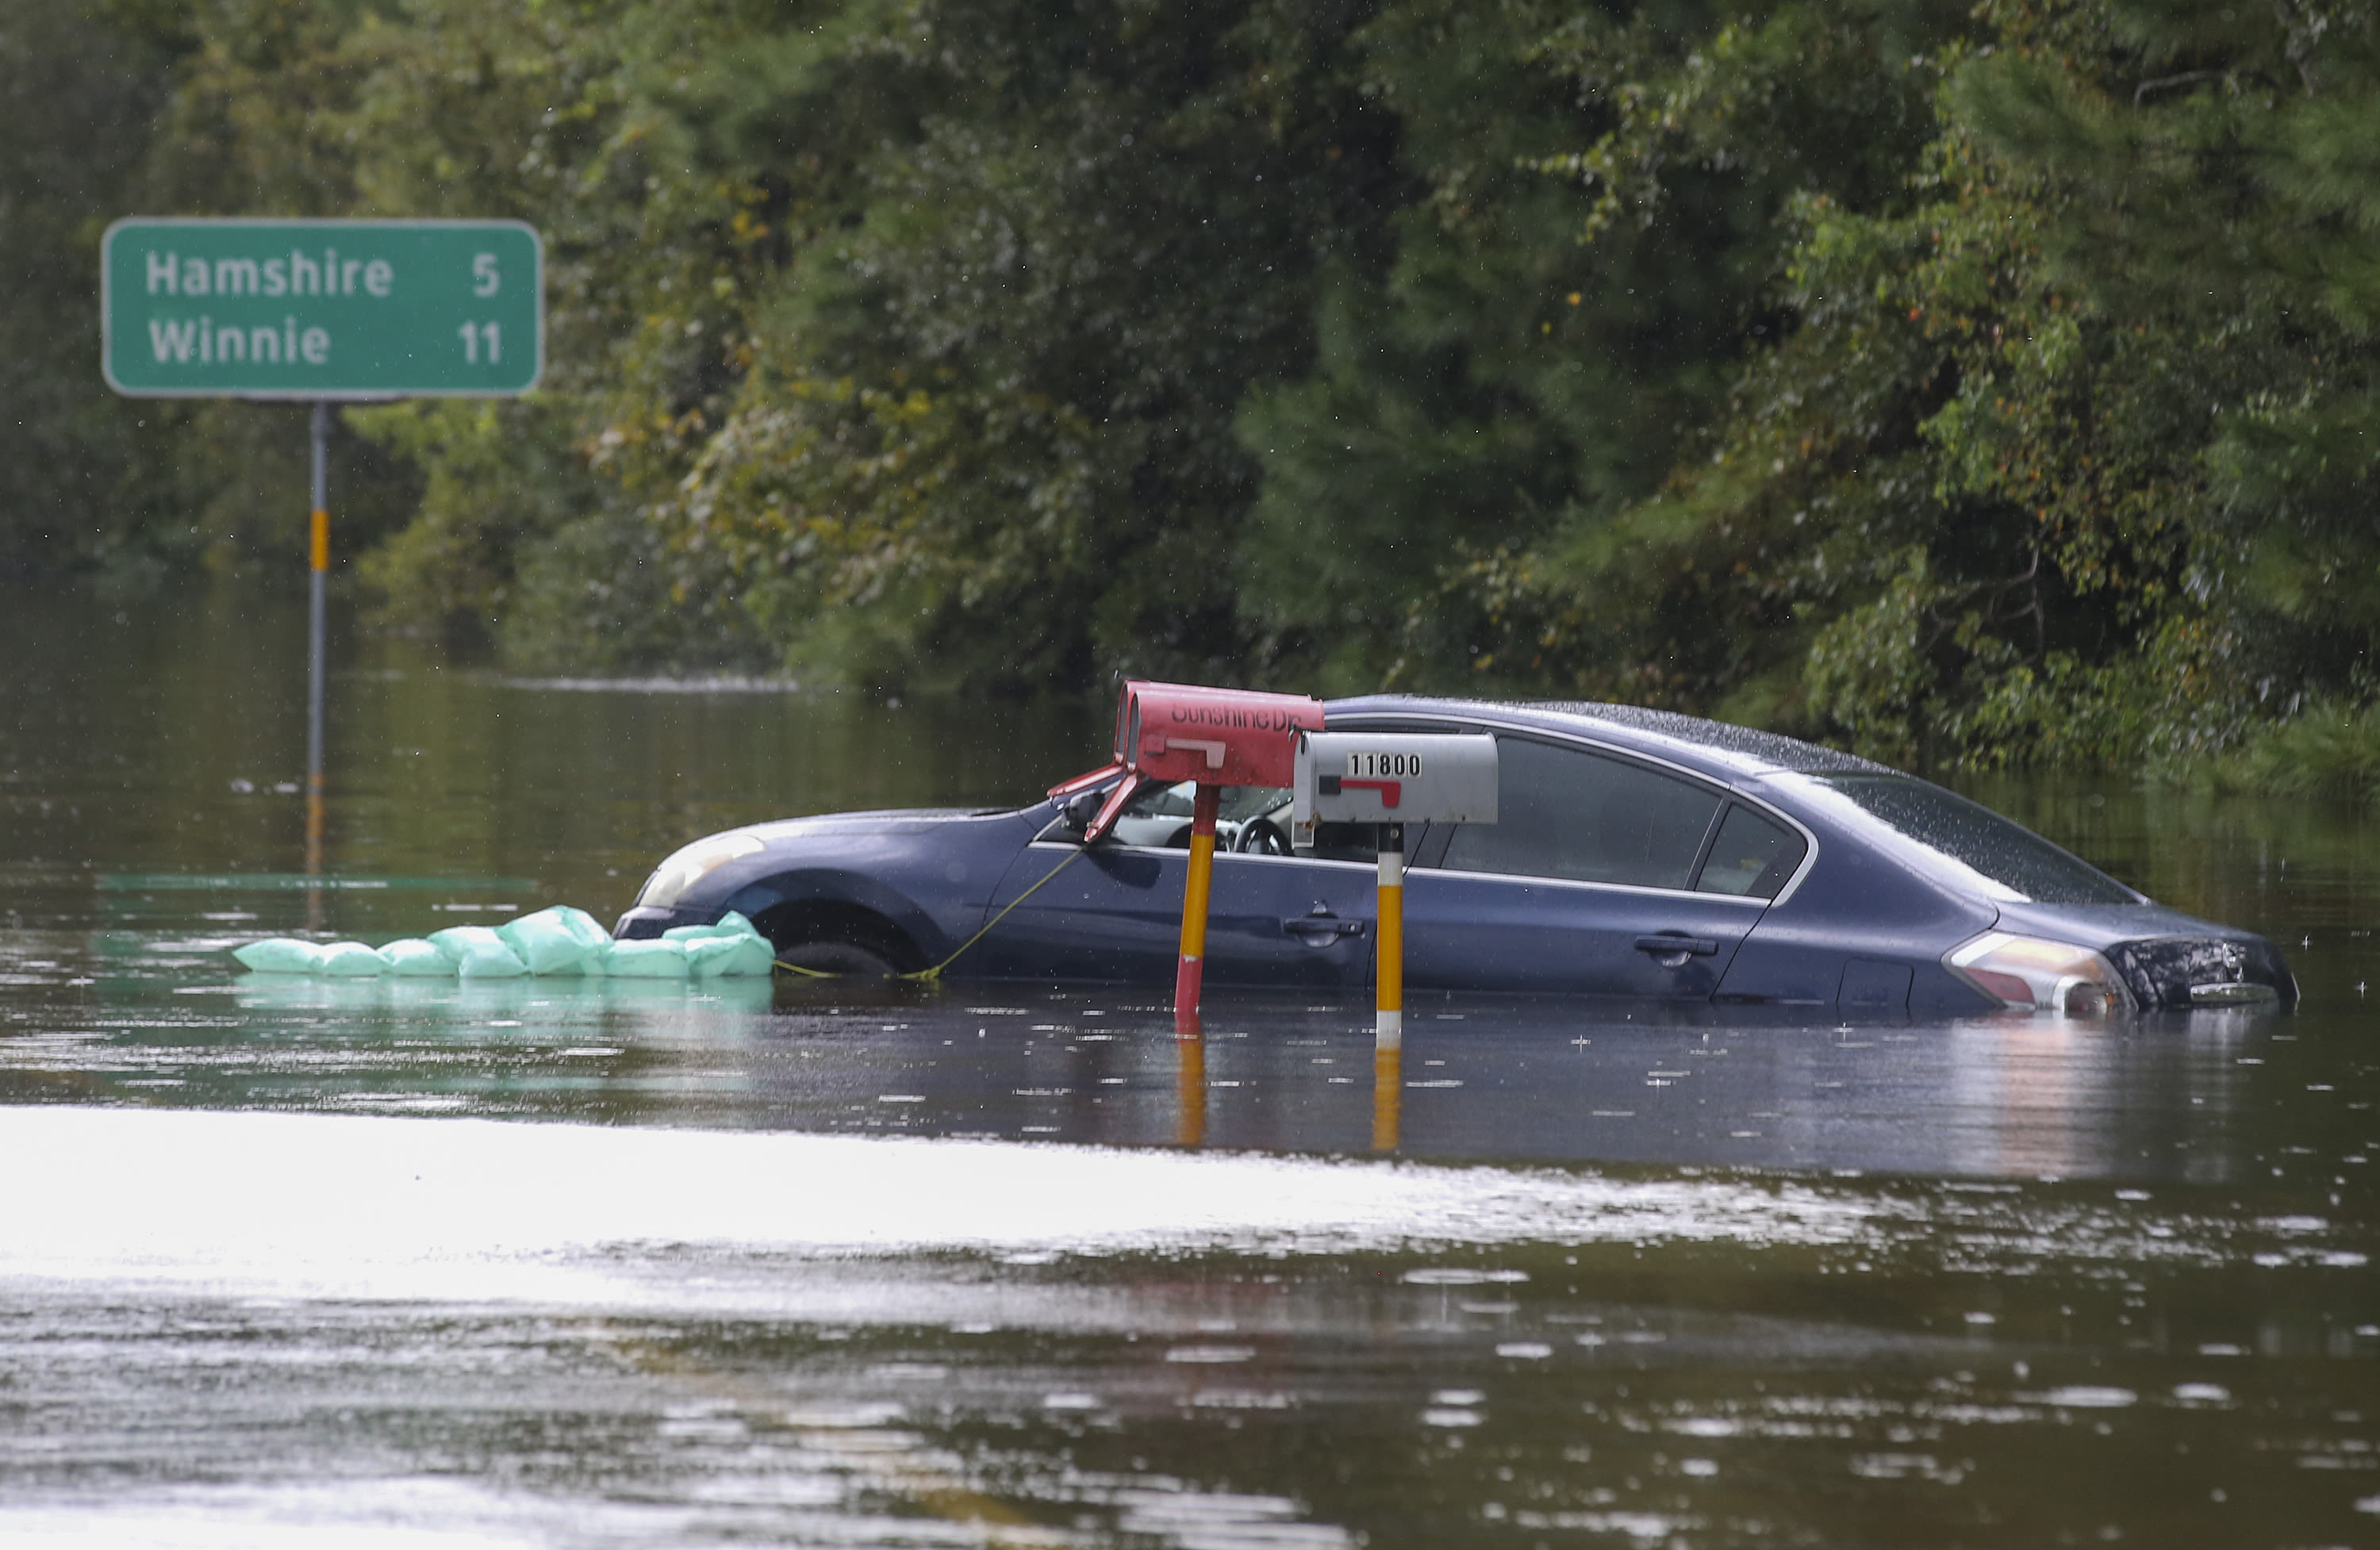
pixel 1988 383
pixel 2062 453
pixel 78 102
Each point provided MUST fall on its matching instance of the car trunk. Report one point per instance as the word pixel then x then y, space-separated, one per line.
pixel 2166 959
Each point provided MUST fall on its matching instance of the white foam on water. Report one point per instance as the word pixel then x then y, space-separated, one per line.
pixel 399 1514
pixel 2084 1395
pixel 379 1206
pixel 183 1527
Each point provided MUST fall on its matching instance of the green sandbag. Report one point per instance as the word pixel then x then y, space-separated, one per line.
pixel 559 941
pixel 729 924
pixel 720 957
pixel 646 959
pixel 478 952
pixel 352 961
pixel 728 947
pixel 415 959
pixel 280 955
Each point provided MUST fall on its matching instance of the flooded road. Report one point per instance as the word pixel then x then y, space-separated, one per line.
pixel 640 1263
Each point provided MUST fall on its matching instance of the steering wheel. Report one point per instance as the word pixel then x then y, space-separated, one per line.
pixel 1260 837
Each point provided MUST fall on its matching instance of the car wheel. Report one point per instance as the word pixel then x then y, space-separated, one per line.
pixel 837 957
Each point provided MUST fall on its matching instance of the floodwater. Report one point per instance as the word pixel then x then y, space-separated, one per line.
pixel 615 1263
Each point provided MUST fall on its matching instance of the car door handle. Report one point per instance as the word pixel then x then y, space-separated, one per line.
pixel 1680 947
pixel 1321 929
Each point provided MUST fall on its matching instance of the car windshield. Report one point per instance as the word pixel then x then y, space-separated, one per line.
pixel 1236 804
pixel 1161 816
pixel 2008 854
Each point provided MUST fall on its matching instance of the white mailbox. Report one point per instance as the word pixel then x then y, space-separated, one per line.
pixel 1393 777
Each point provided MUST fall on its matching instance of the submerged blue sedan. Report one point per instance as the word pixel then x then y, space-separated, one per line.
pixel 1637 853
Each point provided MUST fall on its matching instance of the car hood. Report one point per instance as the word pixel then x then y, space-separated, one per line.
pixel 881 820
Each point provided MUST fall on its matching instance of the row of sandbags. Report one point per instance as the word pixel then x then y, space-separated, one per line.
pixel 560 940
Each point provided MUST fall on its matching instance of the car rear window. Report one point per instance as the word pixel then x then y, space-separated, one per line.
pixel 1752 857
pixel 2006 853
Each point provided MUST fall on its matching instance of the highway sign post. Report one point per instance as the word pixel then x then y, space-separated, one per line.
pixel 320 311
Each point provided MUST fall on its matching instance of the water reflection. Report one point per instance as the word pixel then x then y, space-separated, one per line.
pixel 173 742
pixel 2202 1096
pixel 1189 1081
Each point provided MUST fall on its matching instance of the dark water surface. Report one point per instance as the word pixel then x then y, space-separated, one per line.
pixel 635 1264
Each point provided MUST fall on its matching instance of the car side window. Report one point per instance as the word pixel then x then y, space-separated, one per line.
pixel 1567 813
pixel 1250 821
pixel 1752 857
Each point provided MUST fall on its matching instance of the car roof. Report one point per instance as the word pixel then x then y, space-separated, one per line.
pixel 1716 748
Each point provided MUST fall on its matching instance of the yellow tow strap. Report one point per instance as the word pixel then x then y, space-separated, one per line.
pixel 936 972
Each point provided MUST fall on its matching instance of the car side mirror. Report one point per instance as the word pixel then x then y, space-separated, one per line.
pixel 1080 809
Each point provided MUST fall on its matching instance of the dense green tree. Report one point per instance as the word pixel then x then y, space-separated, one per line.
pixel 1988 383
pixel 79 102
pixel 917 329
pixel 980 425
pixel 1593 244
pixel 481 524
pixel 102 121
pixel 2057 456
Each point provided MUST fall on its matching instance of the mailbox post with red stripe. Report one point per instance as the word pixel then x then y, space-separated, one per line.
pixel 1391 780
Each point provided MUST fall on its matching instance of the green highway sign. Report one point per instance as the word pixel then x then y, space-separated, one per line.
pixel 221 308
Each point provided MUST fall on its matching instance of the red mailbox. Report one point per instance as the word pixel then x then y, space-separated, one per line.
pixel 1219 737
pixel 1185 731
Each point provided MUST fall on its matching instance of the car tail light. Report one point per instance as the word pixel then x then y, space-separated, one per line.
pixel 2039 974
